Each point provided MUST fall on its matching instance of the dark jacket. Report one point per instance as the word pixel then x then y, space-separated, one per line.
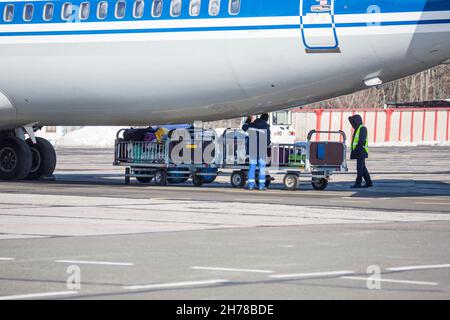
pixel 262 125
pixel 359 152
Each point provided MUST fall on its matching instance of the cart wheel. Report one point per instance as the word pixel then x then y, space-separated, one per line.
pixel 144 180
pixel 319 184
pixel 160 177
pixel 238 179
pixel 197 180
pixel 290 181
pixel 127 177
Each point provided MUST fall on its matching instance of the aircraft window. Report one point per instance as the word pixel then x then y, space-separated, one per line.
pixel 214 7
pixel 120 9
pixel 8 14
pixel 102 10
pixel 235 7
pixel 175 8
pixel 49 9
pixel 67 11
pixel 85 9
pixel 157 8
pixel 28 12
pixel 138 9
pixel 194 8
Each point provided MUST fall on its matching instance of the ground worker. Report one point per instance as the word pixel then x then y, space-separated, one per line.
pixel 360 152
pixel 259 141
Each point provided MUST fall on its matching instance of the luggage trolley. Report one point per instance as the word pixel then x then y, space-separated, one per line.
pixel 147 161
pixel 323 158
pixel 320 159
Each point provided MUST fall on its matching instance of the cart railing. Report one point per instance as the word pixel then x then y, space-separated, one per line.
pixel 342 166
pixel 141 152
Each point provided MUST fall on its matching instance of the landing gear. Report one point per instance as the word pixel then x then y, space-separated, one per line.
pixel 15 159
pixel 44 159
pixel 20 159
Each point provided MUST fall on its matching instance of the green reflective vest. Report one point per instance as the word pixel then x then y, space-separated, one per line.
pixel 356 140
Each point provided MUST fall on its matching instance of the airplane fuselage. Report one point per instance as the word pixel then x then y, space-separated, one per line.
pixel 266 56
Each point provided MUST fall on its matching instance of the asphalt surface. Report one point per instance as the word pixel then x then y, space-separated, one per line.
pixel 215 242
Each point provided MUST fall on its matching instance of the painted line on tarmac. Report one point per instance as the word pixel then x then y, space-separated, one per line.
pixel 104 263
pixel 427 198
pixel 6 259
pixel 424 267
pixel 175 284
pixel 351 201
pixel 38 295
pixel 433 203
pixel 422 283
pixel 312 274
pixel 231 269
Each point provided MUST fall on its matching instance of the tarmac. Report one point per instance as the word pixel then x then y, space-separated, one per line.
pixel 89 236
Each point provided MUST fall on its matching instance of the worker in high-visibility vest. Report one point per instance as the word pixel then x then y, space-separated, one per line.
pixel 360 152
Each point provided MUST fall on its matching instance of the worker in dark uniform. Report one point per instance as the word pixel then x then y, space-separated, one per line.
pixel 259 141
pixel 360 152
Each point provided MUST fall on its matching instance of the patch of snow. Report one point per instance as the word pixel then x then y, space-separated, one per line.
pixel 104 137
pixel 410 144
pixel 89 137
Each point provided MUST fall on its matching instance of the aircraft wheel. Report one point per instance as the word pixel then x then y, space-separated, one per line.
pixel 15 159
pixel 43 159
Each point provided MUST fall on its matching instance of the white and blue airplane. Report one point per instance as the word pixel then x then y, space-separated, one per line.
pixel 140 62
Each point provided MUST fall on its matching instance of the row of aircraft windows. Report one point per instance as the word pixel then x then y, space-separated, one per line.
pixel 82 12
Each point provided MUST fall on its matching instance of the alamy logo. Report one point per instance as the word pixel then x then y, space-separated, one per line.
pixel 74 279
pixel 374 279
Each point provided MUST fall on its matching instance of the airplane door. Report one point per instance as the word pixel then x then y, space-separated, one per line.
pixel 317 25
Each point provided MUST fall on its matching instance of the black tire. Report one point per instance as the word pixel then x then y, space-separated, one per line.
pixel 319 184
pixel 197 180
pixel 160 177
pixel 15 159
pixel 43 159
pixel 290 181
pixel 144 180
pixel 238 179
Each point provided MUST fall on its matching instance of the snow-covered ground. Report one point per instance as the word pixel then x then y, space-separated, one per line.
pixel 89 137
pixel 103 137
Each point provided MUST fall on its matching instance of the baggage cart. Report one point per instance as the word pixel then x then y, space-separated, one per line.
pixel 146 161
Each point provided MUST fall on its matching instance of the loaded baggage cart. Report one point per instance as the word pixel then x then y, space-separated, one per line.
pixel 154 159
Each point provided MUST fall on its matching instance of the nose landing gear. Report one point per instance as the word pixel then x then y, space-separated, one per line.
pixel 21 159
